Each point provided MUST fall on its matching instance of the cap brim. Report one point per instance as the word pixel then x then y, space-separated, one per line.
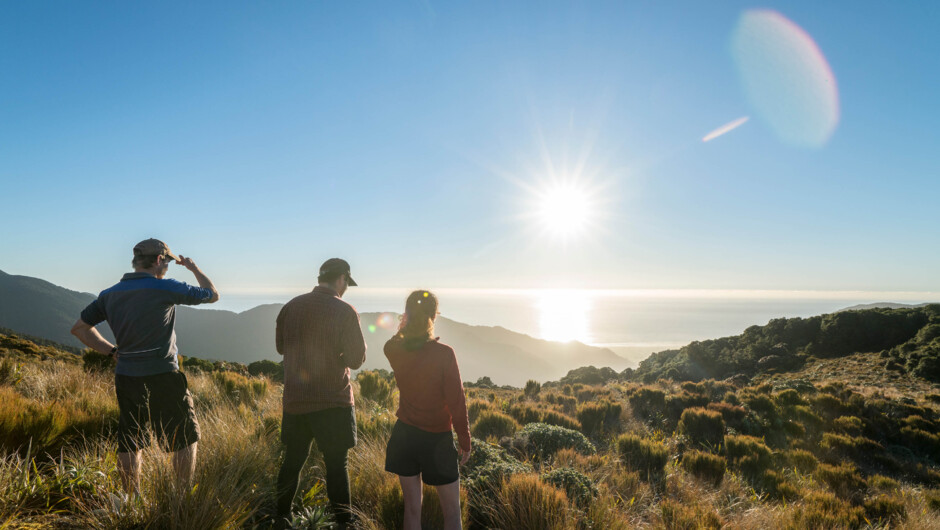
pixel 170 254
pixel 350 282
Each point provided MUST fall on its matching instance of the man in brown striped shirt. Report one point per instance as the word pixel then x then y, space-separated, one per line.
pixel 319 336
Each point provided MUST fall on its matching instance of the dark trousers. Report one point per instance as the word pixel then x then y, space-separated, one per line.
pixel 335 433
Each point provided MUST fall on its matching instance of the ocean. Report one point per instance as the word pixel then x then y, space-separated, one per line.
pixel 632 323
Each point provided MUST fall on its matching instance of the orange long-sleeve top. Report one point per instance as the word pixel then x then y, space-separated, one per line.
pixel 430 392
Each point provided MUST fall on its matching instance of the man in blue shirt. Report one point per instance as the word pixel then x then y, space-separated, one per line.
pixel 141 310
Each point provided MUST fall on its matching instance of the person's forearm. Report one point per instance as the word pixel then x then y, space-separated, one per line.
pixel 91 338
pixel 205 283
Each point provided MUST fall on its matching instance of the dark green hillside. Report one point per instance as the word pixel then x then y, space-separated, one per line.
pixel 37 307
pixel 910 337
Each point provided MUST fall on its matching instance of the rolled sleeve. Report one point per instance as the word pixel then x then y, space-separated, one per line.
pixel 94 313
pixel 185 294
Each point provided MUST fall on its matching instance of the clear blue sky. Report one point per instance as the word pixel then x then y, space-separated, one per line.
pixel 261 138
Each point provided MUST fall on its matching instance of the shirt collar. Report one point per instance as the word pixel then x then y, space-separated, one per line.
pixel 136 276
pixel 325 290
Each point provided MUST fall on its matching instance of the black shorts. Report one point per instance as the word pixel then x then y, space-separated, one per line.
pixel 333 429
pixel 161 400
pixel 432 454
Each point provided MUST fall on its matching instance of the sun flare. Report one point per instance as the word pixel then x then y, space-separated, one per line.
pixel 563 210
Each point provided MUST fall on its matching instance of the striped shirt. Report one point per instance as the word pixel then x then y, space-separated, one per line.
pixel 319 336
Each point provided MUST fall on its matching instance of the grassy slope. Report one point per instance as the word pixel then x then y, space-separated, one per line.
pixel 782 459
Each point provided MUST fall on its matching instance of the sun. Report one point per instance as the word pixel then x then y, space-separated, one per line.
pixel 563 210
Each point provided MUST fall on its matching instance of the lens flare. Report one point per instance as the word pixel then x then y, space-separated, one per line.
pixel 387 321
pixel 786 78
pixel 725 129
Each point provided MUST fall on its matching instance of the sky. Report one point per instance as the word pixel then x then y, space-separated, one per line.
pixel 435 144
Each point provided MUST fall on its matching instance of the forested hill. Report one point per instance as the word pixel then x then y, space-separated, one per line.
pixel 909 340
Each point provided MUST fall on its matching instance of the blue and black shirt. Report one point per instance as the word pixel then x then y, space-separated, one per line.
pixel 141 310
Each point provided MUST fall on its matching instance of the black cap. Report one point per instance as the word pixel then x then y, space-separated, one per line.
pixel 334 268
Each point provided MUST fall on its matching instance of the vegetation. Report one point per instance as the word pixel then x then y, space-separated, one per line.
pixel 771 452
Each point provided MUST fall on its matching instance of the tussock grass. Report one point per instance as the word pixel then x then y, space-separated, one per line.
pixel 788 459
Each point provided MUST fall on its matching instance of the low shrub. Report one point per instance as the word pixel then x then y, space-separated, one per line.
pixel 523 501
pixel 641 455
pixel 542 441
pixel 488 465
pixel 525 413
pixel 843 480
pixel 733 415
pixel 197 365
pixel 93 361
pixel 921 442
pixel 270 369
pixel 884 509
pixel 624 484
pixel 824 510
pixel 705 466
pixel 857 447
pixel 491 423
pixel 532 389
pixel 595 418
pixel 703 427
pixel 560 420
pixel 678 516
pixel 749 454
pixel 647 402
pixel 240 389
pixel 776 486
pixel 933 499
pixel 789 398
pixel 374 387
pixel 578 487
pixel 801 460
pixel 475 406
pixel 883 483
pixel 850 425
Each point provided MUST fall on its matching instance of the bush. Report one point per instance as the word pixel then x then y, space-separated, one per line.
pixel 823 510
pixel 641 455
pixel 801 460
pixel 677 516
pixel 776 486
pixel 374 387
pixel 525 413
pixel 850 425
pixel 196 365
pixel 933 499
pixel 560 420
pixel 496 424
pixel 523 501
pixel 579 488
pixel 648 403
pixel 704 427
pixel 93 361
pixel 542 441
pixel 240 389
pixel 885 509
pixel 733 415
pixel 270 369
pixel 488 465
pixel 750 455
pixel 595 418
pixel 532 389
pixel 474 407
pixel 705 466
pixel 843 480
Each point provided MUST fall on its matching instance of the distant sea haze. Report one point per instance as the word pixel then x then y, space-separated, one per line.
pixel 632 323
